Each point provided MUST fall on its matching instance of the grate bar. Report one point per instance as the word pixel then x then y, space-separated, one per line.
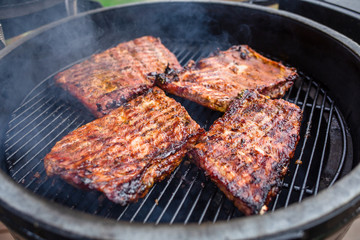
pixel 93 203
pixel 176 51
pixel 310 105
pixel 42 149
pixel 193 206
pixel 302 191
pixel 35 145
pixel 109 211
pixel 43 170
pixel 123 212
pixel 32 113
pixel 191 57
pixel 303 146
pixel 186 58
pixel 277 198
pixel 222 200
pixel 36 126
pixel 200 53
pixel 181 55
pixel 68 195
pixel 173 195
pixel 82 196
pixel 33 137
pixel 324 150
pixel 142 203
pixel 344 147
pixel 184 198
pixel 35 190
pixel 32 169
pixel 60 184
pixel 60 190
pixel 100 206
pixel 46 87
pixel 161 194
pixel 207 207
pixel 231 213
pixel 286 185
pixel 298 93
pixel 295 102
pixel 288 93
pixel 297 188
pixel 26 102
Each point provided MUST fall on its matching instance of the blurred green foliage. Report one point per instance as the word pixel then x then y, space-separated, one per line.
pixel 108 3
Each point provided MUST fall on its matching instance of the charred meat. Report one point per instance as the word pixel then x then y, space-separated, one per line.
pixel 110 78
pixel 215 81
pixel 247 151
pixel 125 152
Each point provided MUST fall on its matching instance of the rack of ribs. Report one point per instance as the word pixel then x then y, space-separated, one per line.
pixel 110 78
pixel 215 81
pixel 247 151
pixel 125 152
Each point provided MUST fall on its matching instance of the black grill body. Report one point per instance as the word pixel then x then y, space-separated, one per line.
pixel 18 17
pixel 35 114
pixel 48 113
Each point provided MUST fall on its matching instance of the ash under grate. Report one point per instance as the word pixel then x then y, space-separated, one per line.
pixel 45 116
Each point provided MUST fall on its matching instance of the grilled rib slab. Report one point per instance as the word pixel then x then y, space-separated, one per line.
pixel 110 78
pixel 247 151
pixel 214 81
pixel 126 151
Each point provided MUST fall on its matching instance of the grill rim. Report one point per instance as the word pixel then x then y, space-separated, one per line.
pixel 311 212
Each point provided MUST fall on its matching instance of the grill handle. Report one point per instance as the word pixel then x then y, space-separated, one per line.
pixel 2 38
pixel 71 7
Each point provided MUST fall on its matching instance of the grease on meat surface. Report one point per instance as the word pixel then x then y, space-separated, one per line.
pixel 117 75
pixel 247 151
pixel 215 81
pixel 126 151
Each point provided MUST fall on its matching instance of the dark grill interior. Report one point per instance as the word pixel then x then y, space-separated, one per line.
pixel 47 114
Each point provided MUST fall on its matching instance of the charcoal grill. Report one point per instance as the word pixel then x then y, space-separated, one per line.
pixel 43 118
pixel 320 191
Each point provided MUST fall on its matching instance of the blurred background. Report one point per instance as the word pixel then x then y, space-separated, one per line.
pixel 19 17
pixel 107 3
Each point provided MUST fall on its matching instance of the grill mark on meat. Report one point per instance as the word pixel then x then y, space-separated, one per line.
pixel 247 151
pixel 126 151
pixel 215 81
pixel 109 79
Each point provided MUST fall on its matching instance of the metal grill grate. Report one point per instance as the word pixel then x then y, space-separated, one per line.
pixel 45 116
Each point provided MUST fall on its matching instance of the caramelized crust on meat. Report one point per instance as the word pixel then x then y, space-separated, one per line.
pixel 247 151
pixel 126 151
pixel 117 75
pixel 214 81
